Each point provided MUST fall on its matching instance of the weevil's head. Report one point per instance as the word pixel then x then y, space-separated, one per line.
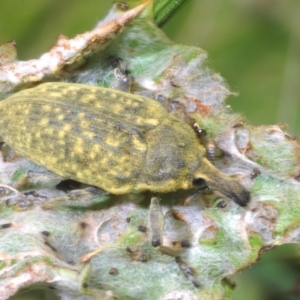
pixel 207 175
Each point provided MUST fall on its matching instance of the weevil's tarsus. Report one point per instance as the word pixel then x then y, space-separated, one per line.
pixel 210 150
pixel 200 131
pixel 116 62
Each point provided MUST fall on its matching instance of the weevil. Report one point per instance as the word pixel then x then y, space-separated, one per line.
pixel 113 140
pixel 188 271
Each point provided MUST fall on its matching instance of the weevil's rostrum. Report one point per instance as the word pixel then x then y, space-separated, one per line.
pixel 117 141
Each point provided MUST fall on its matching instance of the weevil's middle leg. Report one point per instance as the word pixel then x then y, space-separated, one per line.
pixel 156 222
pixel 205 141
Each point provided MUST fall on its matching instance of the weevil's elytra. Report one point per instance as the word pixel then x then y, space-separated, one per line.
pixel 110 139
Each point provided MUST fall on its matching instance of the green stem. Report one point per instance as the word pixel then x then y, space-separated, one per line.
pixel 164 8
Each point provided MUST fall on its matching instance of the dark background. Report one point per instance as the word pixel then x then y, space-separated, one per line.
pixel 255 45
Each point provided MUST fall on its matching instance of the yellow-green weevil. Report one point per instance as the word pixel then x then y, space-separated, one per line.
pixel 114 140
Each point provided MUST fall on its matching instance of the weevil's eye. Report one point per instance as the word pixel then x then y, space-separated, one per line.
pixel 199 183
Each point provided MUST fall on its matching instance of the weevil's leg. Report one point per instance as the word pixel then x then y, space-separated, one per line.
pixel 8 187
pixel 206 142
pixel 20 202
pixel 210 150
pixel 122 82
pixel 82 196
pixel 156 229
pixel 122 79
pixel 156 222
pixel 188 271
pixel 23 200
pixel 200 131
pixel 188 200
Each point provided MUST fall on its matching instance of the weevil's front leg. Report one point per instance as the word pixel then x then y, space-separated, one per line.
pixel 188 200
pixel 157 222
pixel 156 234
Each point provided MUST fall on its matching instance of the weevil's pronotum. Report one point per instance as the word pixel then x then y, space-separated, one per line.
pixel 117 141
